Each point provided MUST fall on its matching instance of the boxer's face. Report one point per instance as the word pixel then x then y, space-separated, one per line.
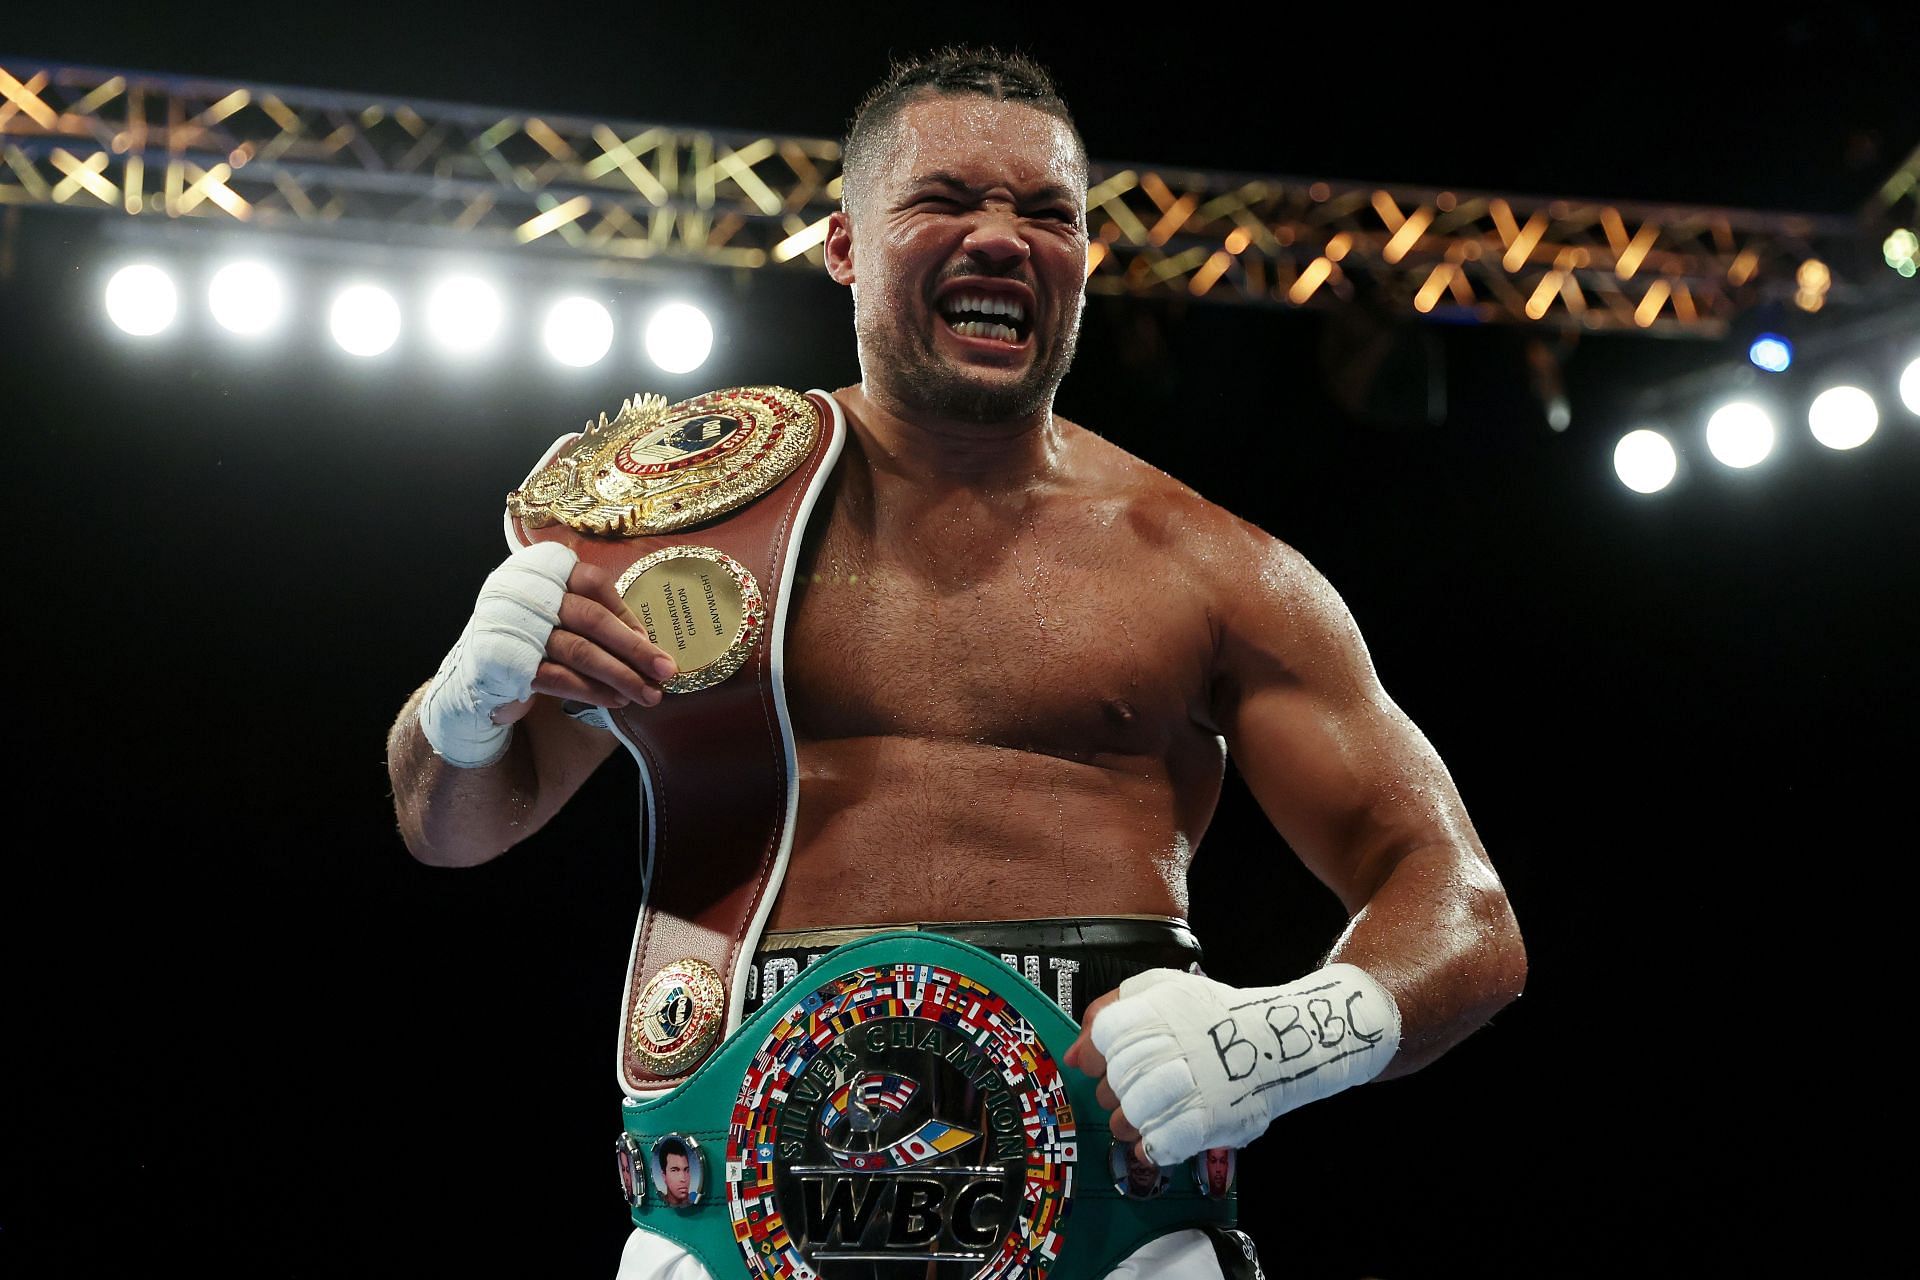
pixel 1141 1176
pixel 1219 1169
pixel 967 250
pixel 678 1178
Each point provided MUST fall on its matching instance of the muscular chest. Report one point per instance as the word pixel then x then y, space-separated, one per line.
pixel 1060 633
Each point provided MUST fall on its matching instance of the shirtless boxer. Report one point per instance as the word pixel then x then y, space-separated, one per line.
pixel 1016 657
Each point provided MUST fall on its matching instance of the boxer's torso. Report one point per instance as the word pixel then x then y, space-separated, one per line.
pixel 1000 696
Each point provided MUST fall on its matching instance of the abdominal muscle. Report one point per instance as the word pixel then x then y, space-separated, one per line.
pixel 899 829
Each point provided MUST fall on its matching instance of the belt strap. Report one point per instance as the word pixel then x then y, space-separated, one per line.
pixel 719 770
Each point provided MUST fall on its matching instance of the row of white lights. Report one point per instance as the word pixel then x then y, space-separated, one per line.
pixel 464 316
pixel 1742 434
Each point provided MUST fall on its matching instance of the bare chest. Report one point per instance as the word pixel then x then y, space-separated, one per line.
pixel 1061 634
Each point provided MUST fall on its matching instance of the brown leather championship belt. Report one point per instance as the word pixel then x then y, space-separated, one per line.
pixel 698 509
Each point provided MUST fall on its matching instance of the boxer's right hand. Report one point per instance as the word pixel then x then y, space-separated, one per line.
pixel 544 623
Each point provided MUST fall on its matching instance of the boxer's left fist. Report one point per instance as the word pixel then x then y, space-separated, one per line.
pixel 1186 1063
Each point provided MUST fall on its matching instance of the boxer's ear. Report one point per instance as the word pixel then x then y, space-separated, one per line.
pixel 840 247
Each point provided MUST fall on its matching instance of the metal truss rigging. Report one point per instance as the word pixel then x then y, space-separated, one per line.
pixel 359 167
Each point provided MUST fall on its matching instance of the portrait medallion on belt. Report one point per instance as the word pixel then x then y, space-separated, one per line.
pixel 677 1016
pixel 656 468
pixel 901 1113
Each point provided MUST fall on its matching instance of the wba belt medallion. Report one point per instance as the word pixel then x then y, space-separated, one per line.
pixel 657 467
pixel 679 1015
pixel 902 1102
pixel 700 605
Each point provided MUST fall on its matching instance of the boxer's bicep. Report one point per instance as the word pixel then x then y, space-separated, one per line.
pixel 1346 778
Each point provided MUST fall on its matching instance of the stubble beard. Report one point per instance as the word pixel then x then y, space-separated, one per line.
pixel 905 369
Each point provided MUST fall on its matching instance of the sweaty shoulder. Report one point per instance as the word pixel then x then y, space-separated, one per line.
pixel 1220 553
pixel 1266 607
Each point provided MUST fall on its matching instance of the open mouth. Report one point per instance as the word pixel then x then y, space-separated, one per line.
pixel 984 317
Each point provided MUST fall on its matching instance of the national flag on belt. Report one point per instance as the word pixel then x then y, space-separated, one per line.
pixel 888 1091
pixel 914 1148
pixel 763 1152
pixel 812 1002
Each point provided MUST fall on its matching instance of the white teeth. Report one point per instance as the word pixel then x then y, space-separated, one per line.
pixel 984 305
pixel 987 329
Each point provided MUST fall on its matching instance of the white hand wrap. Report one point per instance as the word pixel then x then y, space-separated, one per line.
pixel 494 661
pixel 1197 1064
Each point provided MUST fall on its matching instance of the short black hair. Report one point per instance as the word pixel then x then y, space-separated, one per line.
pixel 954 70
pixel 673 1147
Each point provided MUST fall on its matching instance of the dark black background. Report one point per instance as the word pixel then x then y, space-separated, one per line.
pixel 245 1032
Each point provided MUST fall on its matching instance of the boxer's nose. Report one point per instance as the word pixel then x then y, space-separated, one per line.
pixel 995 241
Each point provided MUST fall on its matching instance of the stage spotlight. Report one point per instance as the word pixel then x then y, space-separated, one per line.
pixel 1645 461
pixel 141 299
pixel 246 298
pixel 679 337
pixel 1771 352
pixel 1740 434
pixel 1843 417
pixel 365 320
pixel 1900 249
pixel 578 332
pixel 463 315
pixel 1910 385
pixel 1814 280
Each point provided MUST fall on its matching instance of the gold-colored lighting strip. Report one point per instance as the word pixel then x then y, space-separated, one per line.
pixel 205 152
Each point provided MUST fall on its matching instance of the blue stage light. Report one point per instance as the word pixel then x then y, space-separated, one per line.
pixel 1771 352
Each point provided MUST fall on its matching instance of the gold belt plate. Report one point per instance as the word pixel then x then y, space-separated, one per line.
pixel 657 467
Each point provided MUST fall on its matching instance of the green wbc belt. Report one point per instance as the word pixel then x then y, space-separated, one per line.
pixel 903 1101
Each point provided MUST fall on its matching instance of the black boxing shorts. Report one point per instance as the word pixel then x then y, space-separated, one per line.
pixel 1074 961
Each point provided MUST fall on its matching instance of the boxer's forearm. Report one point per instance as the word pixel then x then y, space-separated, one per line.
pixel 1439 935
pixel 454 817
